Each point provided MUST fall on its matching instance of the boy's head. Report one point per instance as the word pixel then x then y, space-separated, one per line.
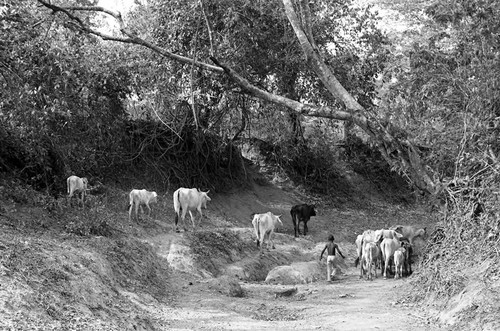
pixel 331 237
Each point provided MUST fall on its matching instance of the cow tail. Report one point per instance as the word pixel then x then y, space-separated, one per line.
pixel 131 199
pixel 256 227
pixel 67 184
pixel 177 206
pixel 359 259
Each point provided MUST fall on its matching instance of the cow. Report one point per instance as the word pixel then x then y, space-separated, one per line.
pixel 389 234
pixel 371 253
pixel 137 198
pixel 388 247
pixel 410 232
pixel 189 199
pixel 301 213
pixel 366 236
pixel 399 261
pixel 408 253
pixel 264 225
pixel 77 185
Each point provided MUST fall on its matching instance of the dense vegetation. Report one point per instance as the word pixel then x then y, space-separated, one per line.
pixel 72 103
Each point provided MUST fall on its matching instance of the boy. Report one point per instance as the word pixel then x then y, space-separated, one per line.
pixel 331 246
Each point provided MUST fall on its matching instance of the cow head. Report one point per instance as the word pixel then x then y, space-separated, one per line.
pixel 85 182
pixel 204 198
pixel 154 197
pixel 312 211
pixel 278 219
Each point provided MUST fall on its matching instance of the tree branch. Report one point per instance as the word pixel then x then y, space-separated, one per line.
pixel 130 37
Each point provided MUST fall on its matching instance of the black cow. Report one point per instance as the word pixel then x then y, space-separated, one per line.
pixel 301 213
pixel 408 253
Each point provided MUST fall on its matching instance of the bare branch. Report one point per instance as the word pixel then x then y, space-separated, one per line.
pixel 209 28
pixel 306 21
pixel 130 37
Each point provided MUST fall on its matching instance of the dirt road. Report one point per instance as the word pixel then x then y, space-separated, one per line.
pixel 347 303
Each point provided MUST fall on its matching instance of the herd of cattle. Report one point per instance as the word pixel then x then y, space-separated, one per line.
pixel 381 247
pixel 377 249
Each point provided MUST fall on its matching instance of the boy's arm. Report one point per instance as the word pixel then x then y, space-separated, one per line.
pixel 338 250
pixel 321 256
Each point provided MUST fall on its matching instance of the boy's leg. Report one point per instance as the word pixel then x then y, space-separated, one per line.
pixel 329 268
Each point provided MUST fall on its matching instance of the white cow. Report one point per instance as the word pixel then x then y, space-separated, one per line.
pixel 189 199
pixel 139 198
pixel 77 185
pixel 264 225
pixel 410 232
pixel 365 237
pixel 388 248
pixel 371 254
pixel 399 261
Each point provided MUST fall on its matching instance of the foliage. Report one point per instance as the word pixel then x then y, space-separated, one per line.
pixel 63 112
pixel 449 100
pixel 255 39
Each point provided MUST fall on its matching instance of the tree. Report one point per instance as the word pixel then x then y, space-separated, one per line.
pixel 395 145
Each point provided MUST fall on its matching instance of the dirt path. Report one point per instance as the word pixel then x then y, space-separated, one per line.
pixel 347 303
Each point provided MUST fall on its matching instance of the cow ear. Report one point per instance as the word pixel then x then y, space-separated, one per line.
pixel 207 191
pixel 279 215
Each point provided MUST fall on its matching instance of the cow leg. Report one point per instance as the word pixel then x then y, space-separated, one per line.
pixel 183 218
pixel 69 197
pixel 386 264
pixel 176 222
pixel 295 224
pixel 149 209
pixel 192 220
pixel 305 227
pixel 130 211
pixel 136 209
pixel 391 264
